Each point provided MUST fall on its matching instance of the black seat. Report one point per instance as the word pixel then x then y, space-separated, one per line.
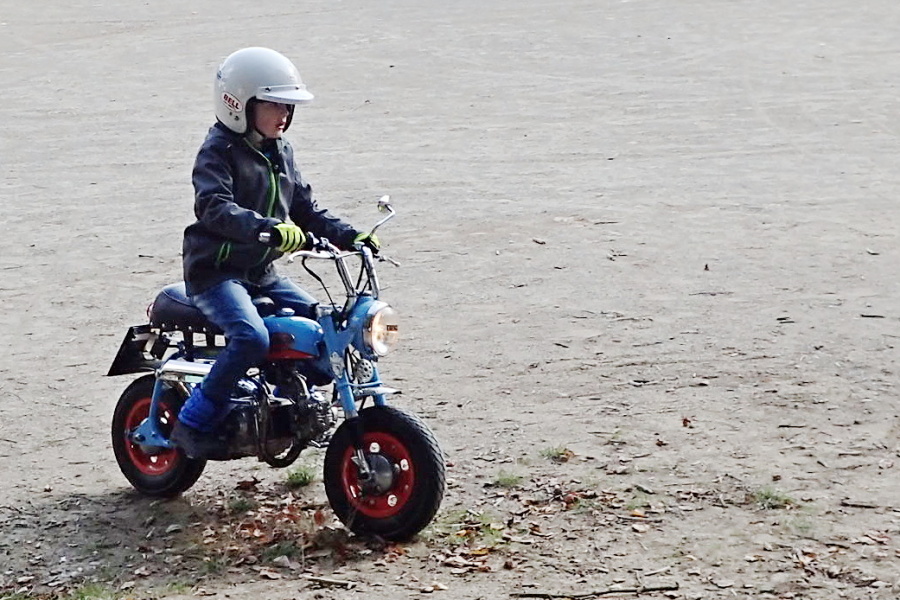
pixel 173 310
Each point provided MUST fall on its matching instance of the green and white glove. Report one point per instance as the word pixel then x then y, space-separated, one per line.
pixel 290 238
pixel 370 240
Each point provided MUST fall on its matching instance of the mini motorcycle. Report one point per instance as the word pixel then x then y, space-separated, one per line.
pixel 384 471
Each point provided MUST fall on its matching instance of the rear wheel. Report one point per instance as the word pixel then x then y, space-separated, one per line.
pixel 152 470
pixel 407 479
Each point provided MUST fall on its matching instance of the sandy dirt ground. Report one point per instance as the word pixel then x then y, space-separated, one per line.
pixel 649 307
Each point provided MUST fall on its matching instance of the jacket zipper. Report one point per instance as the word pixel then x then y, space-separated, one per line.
pixel 273 195
pixel 224 253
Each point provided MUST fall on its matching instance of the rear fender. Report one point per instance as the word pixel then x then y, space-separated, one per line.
pixel 141 350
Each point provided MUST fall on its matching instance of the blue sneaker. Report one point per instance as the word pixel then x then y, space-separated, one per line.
pixel 194 431
pixel 200 412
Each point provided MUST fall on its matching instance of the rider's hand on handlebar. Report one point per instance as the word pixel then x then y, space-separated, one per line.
pixel 287 237
pixel 368 239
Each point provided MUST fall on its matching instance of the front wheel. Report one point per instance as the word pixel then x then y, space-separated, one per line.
pixel 406 485
pixel 152 470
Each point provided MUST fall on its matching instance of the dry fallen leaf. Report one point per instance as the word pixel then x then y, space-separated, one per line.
pixel 753 558
pixel 876 536
pixel 319 517
pixel 285 563
pixel 247 484
pixel 269 573
pixel 565 456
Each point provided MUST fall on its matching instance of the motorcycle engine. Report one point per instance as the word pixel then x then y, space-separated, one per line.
pixel 314 418
pixel 240 428
pixel 310 415
pixel 241 425
pixel 302 420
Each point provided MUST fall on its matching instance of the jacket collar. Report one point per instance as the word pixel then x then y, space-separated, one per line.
pixel 253 137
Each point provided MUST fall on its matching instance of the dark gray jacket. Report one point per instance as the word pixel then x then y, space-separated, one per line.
pixel 240 191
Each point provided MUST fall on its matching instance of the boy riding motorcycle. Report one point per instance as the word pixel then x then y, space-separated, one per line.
pixel 246 183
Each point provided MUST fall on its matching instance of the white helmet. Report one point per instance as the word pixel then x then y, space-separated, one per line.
pixel 255 73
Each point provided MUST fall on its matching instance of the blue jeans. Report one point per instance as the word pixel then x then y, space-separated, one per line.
pixel 230 306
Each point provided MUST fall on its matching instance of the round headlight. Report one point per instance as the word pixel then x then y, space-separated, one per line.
pixel 383 330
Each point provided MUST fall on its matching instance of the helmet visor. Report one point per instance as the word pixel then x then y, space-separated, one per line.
pixel 284 94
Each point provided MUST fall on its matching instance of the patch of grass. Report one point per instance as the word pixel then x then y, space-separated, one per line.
pixel 558 454
pixel 93 591
pixel 443 524
pixel 213 565
pixel 639 500
pixel 289 549
pixel 300 477
pixel 179 587
pixel 507 480
pixel 470 527
pixel 804 527
pixel 771 499
pixel 16 596
pixel 107 572
pixel 241 504
pixel 447 519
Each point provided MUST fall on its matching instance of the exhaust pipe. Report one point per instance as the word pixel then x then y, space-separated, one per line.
pixel 183 371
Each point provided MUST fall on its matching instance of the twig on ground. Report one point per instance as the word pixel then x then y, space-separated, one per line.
pixel 329 581
pixel 589 595
pixel 857 504
pixel 639 519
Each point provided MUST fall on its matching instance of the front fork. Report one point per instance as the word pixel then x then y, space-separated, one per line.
pixel 359 453
pixel 148 433
pixel 350 394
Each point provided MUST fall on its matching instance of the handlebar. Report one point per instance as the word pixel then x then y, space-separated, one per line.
pixel 322 249
pixel 333 253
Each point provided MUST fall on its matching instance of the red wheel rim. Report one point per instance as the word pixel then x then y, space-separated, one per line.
pixel 391 501
pixel 157 463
